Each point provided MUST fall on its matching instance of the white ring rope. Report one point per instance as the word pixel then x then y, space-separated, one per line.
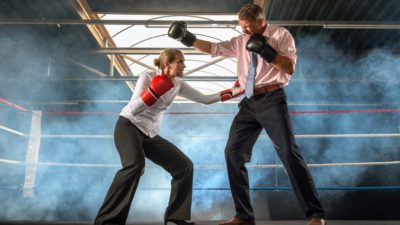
pixel 13 131
pixel 300 136
pixel 265 166
pixel 7 161
pixel 80 136
pixel 347 135
pixel 225 137
pixel 210 166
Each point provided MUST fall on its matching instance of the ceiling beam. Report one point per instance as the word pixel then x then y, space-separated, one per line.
pixel 119 78
pixel 96 23
pixel 264 4
pixel 144 51
pixel 102 37
pixel 192 51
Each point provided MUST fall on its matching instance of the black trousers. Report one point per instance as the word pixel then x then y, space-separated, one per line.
pixel 267 111
pixel 133 146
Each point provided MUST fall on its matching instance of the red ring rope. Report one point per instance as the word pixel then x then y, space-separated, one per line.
pixel 208 113
pixel 229 113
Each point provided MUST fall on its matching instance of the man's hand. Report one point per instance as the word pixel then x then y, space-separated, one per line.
pixel 258 44
pixel 159 85
pixel 178 31
pixel 233 92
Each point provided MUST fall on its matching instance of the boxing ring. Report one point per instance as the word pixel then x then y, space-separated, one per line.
pixel 54 154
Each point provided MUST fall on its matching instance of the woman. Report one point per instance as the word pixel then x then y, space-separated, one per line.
pixel 136 137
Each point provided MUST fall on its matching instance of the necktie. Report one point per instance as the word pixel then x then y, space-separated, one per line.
pixel 251 73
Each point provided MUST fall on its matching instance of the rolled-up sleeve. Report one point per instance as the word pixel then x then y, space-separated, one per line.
pixel 287 46
pixel 225 48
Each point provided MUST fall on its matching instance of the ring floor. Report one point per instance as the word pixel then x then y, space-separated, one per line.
pixel 276 222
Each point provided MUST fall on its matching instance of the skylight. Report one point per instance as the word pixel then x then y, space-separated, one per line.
pixel 147 34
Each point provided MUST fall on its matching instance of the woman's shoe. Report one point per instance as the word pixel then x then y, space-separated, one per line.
pixel 178 222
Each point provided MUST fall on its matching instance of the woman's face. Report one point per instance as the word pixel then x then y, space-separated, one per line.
pixel 175 69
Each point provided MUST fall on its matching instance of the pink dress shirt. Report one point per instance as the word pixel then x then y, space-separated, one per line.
pixel 278 37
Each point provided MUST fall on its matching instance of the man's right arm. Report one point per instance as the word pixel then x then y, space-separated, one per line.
pixel 202 46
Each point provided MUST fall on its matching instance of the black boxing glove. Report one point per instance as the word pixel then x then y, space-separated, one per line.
pixel 178 31
pixel 258 44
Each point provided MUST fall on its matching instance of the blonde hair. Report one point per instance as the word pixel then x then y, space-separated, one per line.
pixel 166 56
pixel 251 12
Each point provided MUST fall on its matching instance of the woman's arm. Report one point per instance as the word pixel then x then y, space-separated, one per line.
pixel 149 93
pixel 136 103
pixel 190 93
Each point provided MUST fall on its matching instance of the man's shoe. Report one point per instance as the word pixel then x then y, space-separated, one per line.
pixel 238 221
pixel 317 221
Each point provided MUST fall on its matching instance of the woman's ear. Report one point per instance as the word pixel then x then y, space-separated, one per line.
pixel 167 68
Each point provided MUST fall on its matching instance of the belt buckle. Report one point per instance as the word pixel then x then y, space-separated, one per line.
pixel 259 91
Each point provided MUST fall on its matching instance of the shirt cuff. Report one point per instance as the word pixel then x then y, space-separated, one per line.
pixel 214 48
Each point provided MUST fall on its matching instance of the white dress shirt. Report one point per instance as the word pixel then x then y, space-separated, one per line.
pixel 148 118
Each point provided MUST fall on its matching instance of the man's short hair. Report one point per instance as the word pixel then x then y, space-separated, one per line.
pixel 251 12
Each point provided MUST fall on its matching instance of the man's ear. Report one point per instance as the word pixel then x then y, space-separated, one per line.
pixel 260 21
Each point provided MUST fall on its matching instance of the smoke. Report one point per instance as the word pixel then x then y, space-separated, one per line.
pixel 326 78
pixel 344 81
pixel 31 78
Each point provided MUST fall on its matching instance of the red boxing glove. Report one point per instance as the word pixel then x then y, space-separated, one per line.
pixel 233 92
pixel 159 85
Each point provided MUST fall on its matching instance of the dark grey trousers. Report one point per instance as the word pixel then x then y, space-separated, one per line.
pixel 267 111
pixel 133 146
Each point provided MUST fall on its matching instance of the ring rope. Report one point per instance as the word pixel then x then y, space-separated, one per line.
pixel 13 131
pixel 267 166
pixel 231 113
pixel 20 108
pixel 211 166
pixel 105 136
pixel 286 188
pixel 277 188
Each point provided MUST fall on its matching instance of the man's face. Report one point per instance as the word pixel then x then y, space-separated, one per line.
pixel 251 26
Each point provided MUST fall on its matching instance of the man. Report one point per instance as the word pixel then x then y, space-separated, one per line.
pixel 266 58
